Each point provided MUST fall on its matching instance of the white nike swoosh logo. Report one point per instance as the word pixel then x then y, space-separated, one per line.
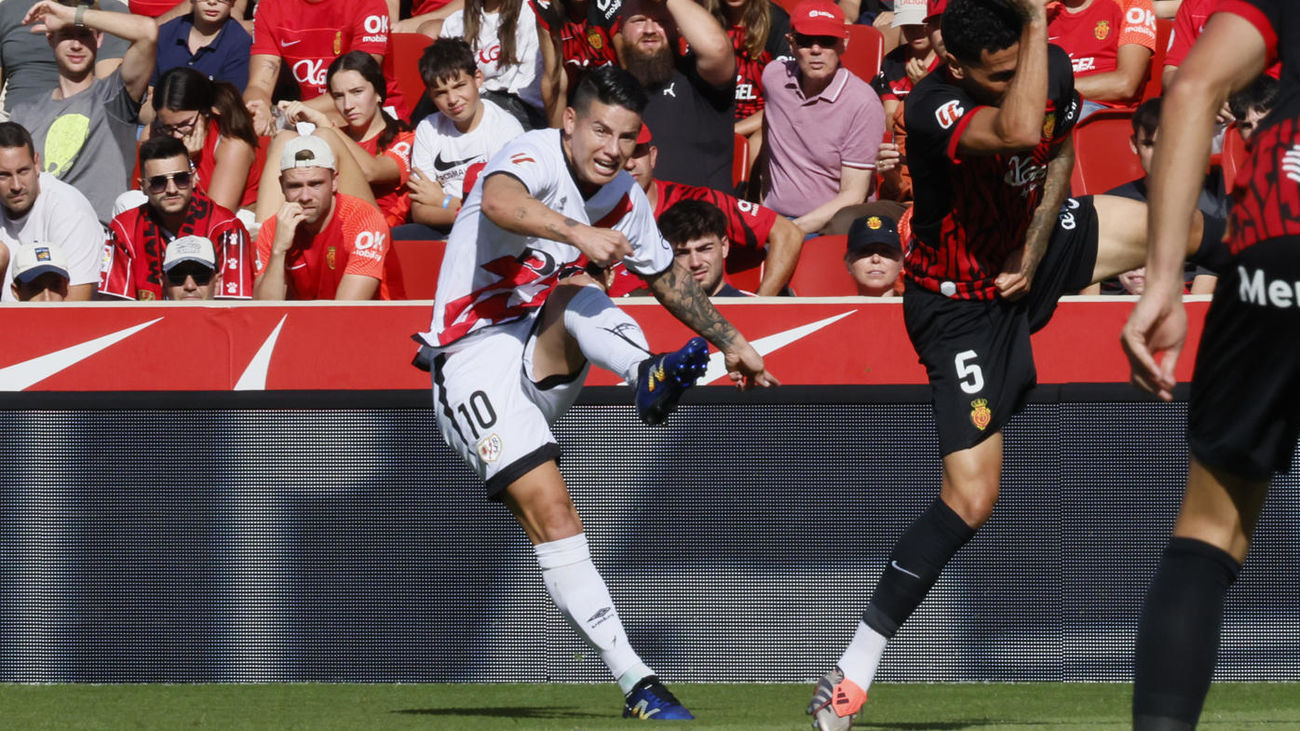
pixel 286 44
pixel 20 376
pixel 254 376
pixel 717 361
pixel 900 568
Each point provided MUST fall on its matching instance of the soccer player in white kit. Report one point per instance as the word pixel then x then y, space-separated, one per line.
pixel 517 320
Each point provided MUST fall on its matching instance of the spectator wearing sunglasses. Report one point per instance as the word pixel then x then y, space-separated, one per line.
pixel 822 124
pixel 190 269
pixel 135 252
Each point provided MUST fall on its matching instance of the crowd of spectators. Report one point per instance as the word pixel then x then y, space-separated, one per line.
pixel 264 149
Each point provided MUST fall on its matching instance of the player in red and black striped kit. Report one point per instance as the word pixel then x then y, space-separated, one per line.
pixel 995 244
pixel 1243 423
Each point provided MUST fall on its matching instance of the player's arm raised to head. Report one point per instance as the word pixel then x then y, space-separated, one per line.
pixel 1018 123
pixel 681 295
pixel 508 204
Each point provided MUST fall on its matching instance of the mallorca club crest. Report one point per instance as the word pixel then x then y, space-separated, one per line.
pixel 489 448
pixel 1102 30
pixel 331 256
pixel 980 414
pixel 1049 125
pixel 874 223
pixel 594 40
pixel 338 42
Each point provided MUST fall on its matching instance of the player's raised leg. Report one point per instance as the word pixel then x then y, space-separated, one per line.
pixel 1122 237
pixel 581 323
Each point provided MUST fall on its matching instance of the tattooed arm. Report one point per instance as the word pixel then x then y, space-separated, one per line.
pixel 678 291
pixel 1017 273
pixel 508 204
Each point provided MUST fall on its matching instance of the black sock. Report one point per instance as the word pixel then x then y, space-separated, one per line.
pixel 914 566
pixel 1178 636
pixel 1213 253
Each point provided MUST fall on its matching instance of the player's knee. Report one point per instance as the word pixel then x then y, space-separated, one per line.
pixel 973 502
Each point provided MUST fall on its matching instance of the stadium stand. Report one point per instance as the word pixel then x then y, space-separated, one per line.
pixel 1232 158
pixel 412 268
pixel 1103 158
pixel 740 162
pixel 821 271
pixel 865 49
pixel 407 48
pixel 1154 88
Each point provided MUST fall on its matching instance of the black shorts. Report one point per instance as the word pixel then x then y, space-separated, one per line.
pixel 1244 414
pixel 977 352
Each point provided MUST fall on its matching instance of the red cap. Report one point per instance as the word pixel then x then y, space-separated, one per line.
pixel 818 18
pixel 644 138
pixel 935 8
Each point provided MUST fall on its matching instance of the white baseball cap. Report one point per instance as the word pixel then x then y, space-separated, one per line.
pixel 908 12
pixel 190 248
pixel 306 151
pixel 38 258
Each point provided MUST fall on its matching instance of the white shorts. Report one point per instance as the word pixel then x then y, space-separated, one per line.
pixel 491 410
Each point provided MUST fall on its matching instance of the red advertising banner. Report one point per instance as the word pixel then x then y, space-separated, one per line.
pixel 368 346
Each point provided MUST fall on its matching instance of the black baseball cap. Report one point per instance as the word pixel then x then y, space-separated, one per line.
pixel 870 230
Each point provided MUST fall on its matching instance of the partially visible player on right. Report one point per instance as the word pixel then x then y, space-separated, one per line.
pixel 1242 420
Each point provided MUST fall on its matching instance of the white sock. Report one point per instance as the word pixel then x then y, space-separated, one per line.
pixel 862 656
pixel 607 335
pixel 582 597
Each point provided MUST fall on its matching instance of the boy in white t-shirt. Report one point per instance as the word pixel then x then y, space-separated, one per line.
pixel 464 131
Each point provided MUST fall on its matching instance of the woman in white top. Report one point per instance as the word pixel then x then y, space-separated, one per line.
pixel 516 58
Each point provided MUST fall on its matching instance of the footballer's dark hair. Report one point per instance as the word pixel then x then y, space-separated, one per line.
pixel 444 58
pixel 971 27
pixel 692 219
pixel 161 147
pixel 13 134
pixel 610 85
pixel 1147 116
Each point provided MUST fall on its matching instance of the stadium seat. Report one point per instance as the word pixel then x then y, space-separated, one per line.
pixel 1103 158
pixel 407 49
pixel 740 161
pixel 1232 158
pixel 412 267
pixel 866 48
pixel 745 267
pixel 787 5
pixel 1164 26
pixel 821 271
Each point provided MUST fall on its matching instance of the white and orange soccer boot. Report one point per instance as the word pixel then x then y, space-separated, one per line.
pixel 835 702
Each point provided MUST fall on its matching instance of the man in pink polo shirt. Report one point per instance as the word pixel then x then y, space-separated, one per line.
pixel 822 124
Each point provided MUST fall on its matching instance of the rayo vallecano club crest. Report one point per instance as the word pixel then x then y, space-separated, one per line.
pixel 980 414
pixel 489 448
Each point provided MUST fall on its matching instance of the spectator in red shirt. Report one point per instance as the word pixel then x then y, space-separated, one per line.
pixel 582 33
pixel 307 35
pixel 138 237
pixel 321 244
pixel 697 231
pixel 378 143
pixel 1110 43
pixel 749 225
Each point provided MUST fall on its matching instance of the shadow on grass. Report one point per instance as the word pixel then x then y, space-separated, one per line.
pixel 544 712
pixel 931 726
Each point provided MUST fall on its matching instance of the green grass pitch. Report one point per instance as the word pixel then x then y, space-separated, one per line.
pixel 322 707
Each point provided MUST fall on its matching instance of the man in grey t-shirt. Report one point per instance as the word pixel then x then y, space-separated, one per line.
pixel 26 63
pixel 85 130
